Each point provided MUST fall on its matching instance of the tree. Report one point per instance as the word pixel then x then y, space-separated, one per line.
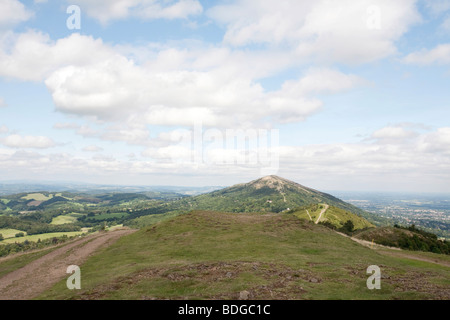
pixel 348 227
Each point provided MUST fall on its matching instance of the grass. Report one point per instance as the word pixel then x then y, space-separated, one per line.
pixel 13 263
pixel 68 218
pixel 10 233
pixel 334 215
pixel 208 255
pixel 37 197
pixel 35 238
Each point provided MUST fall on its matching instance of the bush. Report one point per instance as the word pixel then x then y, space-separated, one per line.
pixel 348 227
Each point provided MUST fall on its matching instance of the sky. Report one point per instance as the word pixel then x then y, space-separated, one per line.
pixel 335 95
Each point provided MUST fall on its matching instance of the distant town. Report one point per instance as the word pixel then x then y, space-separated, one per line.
pixel 429 212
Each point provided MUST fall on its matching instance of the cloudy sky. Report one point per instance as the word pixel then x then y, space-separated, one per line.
pixel 336 95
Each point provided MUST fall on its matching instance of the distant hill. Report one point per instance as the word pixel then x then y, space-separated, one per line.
pixel 268 194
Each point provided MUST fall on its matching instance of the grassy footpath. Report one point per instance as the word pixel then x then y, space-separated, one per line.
pixel 207 255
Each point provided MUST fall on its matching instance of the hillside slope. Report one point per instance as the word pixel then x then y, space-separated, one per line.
pixel 320 213
pixel 209 255
pixel 268 194
pixel 406 238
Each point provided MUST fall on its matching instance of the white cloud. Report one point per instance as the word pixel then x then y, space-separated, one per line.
pixel 13 12
pixel 436 142
pixel 27 142
pixel 109 10
pixel 117 88
pixel 437 55
pixel 178 10
pixel 2 103
pixel 414 163
pixel 338 31
pixel 3 129
pixel 393 134
pixel 32 55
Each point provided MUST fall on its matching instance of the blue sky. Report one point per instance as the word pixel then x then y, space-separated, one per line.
pixel 357 92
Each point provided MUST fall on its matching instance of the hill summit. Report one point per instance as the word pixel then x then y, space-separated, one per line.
pixel 267 194
pixel 278 183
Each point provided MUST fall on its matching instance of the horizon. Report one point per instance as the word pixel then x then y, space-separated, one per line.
pixel 333 95
pixel 92 185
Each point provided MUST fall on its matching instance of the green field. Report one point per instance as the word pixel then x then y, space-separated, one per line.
pixel 208 255
pixel 107 216
pixel 10 233
pixel 43 236
pixel 68 218
pixel 37 197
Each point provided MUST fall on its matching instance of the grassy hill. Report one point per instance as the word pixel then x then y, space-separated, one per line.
pixel 210 255
pixel 337 217
pixel 406 238
pixel 268 194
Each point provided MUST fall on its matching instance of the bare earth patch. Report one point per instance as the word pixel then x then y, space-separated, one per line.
pixel 281 282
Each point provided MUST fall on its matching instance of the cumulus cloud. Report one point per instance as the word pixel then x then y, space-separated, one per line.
pixel 13 12
pixel 3 129
pixel 109 10
pixel 393 134
pixel 338 31
pixel 16 60
pixel 27 142
pixel 438 55
pixel 117 88
pixel 436 142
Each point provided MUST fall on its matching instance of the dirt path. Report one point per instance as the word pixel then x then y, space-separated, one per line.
pixel 322 212
pixel 396 252
pixel 41 274
pixel 402 254
pixel 310 218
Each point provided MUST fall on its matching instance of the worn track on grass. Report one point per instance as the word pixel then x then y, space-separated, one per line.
pixel 31 280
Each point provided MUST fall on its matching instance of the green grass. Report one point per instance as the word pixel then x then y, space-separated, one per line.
pixel 37 197
pixel 68 218
pixel 208 255
pixel 149 220
pixel 10 233
pixel 43 236
pixel 13 263
pixel 333 215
